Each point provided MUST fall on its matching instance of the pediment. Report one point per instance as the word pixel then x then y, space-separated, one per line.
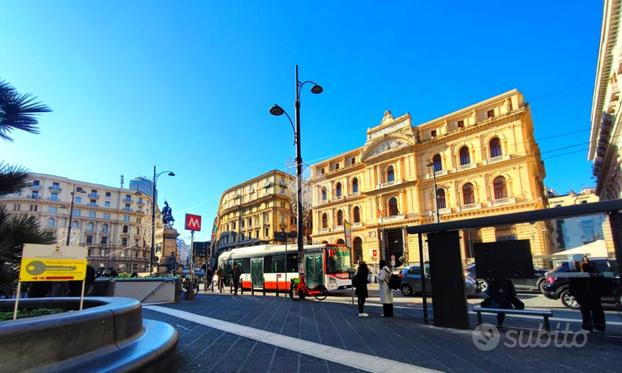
pixel 385 144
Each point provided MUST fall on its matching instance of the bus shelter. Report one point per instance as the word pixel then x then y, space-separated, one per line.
pixel 445 257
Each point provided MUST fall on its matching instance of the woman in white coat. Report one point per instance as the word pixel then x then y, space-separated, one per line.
pixel 386 294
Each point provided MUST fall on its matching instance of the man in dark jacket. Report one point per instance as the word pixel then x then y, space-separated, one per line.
pixel 236 273
pixel 588 291
pixel 360 283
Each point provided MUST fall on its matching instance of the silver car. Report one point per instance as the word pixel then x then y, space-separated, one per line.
pixel 411 282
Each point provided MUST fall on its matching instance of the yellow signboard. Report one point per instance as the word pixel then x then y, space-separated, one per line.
pixel 43 269
pixel 52 263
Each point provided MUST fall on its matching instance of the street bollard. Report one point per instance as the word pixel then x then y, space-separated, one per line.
pixel 252 288
pixel 264 289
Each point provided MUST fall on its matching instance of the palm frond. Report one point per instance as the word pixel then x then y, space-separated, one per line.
pixel 12 178
pixel 18 111
pixel 15 231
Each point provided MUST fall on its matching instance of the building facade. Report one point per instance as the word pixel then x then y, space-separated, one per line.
pixel 114 223
pixel 578 231
pixel 143 185
pixel 605 149
pixel 485 162
pixel 254 212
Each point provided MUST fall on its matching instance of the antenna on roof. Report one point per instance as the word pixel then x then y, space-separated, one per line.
pixel 121 181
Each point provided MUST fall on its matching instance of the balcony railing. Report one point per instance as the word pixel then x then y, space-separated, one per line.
pixel 503 201
pixel 387 219
pixel 55 188
pixel 93 195
pixel 438 174
pixel 127 200
pixel 35 187
pixel 499 158
pixel 470 206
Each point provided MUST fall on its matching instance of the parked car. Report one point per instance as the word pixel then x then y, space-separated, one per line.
pixel 411 282
pixel 559 287
pixel 535 284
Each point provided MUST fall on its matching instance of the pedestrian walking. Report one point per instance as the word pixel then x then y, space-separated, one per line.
pixel 235 274
pixel 359 281
pixel 588 292
pixel 386 294
pixel 221 278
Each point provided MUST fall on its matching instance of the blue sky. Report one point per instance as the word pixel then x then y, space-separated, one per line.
pixel 187 85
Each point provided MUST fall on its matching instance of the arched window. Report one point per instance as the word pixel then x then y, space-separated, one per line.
pixel 500 187
pixel 125 229
pixel 440 198
pixel 495 148
pixel 390 174
pixel 338 190
pixel 465 157
pixel 105 228
pixel 75 224
pixel 355 185
pixel 356 214
pixel 51 223
pixel 438 163
pixel 90 227
pixel 393 207
pixel 339 217
pixel 323 194
pixel 324 221
pixel 340 242
pixel 468 197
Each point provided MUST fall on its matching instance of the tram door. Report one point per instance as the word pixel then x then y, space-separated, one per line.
pixel 257 272
pixel 314 271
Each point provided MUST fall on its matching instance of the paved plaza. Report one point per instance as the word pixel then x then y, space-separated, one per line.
pixel 225 333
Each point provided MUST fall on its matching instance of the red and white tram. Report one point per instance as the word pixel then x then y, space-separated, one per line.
pixel 273 266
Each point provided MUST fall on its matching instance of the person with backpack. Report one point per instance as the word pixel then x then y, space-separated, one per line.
pixel 386 294
pixel 360 283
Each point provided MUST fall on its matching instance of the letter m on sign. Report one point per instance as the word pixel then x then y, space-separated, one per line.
pixel 193 222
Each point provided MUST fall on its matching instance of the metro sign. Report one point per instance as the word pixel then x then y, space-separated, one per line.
pixel 193 222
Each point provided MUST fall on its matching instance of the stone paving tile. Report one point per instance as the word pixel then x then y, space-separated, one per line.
pixel 403 338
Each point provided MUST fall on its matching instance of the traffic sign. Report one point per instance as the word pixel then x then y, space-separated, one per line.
pixel 53 263
pixel 193 222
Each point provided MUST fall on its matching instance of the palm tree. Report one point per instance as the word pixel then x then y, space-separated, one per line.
pixel 18 111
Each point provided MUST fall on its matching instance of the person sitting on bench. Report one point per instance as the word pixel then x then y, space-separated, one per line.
pixel 501 294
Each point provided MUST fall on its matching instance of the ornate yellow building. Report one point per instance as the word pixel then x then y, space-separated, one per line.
pixel 253 211
pixel 486 162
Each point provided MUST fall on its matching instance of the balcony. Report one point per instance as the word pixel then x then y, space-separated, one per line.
pixel 466 166
pixel 35 186
pixel 127 209
pixel 503 201
pixel 141 202
pixel 93 195
pixel 443 211
pixel 283 183
pixel 389 219
pixel 470 206
pixel 55 188
pixel 438 174
pixel 92 204
pixel 127 200
pixel 53 199
pixel 34 196
pixel 500 158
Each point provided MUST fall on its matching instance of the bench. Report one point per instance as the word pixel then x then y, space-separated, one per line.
pixel 546 314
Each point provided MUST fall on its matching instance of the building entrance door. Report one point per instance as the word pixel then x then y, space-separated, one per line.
pixel 393 246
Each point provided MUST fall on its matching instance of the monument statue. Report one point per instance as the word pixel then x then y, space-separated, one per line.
pixel 167 216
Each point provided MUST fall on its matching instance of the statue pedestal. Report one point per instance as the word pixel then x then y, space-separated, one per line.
pixel 169 246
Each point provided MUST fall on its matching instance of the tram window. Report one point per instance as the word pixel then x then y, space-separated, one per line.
pixel 244 264
pixel 267 264
pixel 278 264
pixel 292 262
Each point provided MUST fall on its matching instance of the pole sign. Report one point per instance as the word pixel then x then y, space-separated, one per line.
pixel 193 222
pixel 347 229
pixel 53 263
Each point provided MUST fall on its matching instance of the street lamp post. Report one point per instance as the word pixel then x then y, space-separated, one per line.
pixel 438 218
pixel 153 206
pixel 277 110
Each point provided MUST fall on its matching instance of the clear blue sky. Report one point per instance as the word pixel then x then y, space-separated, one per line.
pixel 187 85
